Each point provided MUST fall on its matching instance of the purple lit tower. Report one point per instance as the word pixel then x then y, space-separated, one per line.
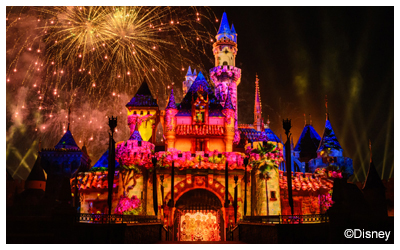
pixel 225 75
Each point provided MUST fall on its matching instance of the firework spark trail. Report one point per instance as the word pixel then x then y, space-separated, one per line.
pixel 93 59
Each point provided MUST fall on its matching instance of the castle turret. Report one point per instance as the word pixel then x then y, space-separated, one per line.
pixel 258 122
pixel 143 107
pixel 63 161
pixel 189 79
pixel 170 121
pixel 225 75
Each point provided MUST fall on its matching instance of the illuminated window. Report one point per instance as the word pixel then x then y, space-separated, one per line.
pixel 273 196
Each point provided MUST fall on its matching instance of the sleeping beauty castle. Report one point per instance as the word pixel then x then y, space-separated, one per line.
pixel 209 172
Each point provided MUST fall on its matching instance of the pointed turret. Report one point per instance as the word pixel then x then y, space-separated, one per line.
pixel 194 72
pixel 329 139
pixel 171 102
pixel 233 31
pixel 373 180
pixel 258 124
pixel 307 145
pixel 103 162
pixel 189 72
pixel 136 135
pixel 67 142
pixel 224 26
pixel 142 98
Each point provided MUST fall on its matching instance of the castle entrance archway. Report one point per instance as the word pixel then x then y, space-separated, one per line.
pixel 199 216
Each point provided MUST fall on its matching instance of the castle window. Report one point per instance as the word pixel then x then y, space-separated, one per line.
pixel 141 112
pixel 148 112
pixel 273 196
pixel 225 63
pixel 134 112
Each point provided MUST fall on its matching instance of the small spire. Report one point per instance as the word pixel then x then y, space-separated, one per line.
pixel 224 27
pixel 189 72
pixel 233 31
pixel 370 151
pixel 326 106
pixel 194 72
pixel 268 122
pixel 310 119
pixel 171 102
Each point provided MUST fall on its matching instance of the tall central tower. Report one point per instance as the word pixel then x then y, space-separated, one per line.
pixel 225 75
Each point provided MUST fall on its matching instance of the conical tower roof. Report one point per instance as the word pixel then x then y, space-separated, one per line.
pixel 67 141
pixel 224 26
pixel 103 161
pixel 171 102
pixel 136 135
pixel 36 173
pixel 200 83
pixel 309 140
pixel 143 98
pixel 373 180
pixel 189 72
pixel 329 139
pixel 233 31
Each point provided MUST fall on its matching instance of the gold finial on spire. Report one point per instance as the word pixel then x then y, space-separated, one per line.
pixel 326 106
pixel 370 151
pixel 310 119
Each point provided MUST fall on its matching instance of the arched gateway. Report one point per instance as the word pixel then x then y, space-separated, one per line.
pixel 198 216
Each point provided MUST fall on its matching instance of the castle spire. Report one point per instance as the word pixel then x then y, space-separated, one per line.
pixel 326 106
pixel 189 72
pixel 257 108
pixel 171 102
pixel 233 31
pixel 224 26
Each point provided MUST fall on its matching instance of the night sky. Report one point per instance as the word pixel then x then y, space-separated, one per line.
pixel 302 54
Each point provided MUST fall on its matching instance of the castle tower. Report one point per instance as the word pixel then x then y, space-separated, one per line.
pixel 225 75
pixel 170 121
pixel 258 122
pixel 189 79
pixel 62 161
pixel 143 107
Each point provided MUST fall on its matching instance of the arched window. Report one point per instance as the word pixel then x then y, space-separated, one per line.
pixel 225 63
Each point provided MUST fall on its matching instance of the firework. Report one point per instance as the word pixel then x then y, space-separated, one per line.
pixel 93 59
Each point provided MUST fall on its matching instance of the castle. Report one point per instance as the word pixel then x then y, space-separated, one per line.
pixel 222 171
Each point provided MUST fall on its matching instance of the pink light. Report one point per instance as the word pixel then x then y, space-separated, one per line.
pixel 62 71
pixel 38 50
pixel 8 79
pixel 94 85
pixel 129 73
pixel 52 63
pixel 80 56
pixel 29 49
pixel 15 70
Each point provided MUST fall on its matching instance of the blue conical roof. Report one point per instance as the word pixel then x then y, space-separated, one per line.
pixel 309 140
pixel 271 135
pixel 189 73
pixel 67 142
pixel 228 102
pixel 329 139
pixel 136 135
pixel 103 161
pixel 143 98
pixel 171 102
pixel 233 31
pixel 224 27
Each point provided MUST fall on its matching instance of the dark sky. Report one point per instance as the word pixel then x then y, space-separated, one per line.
pixel 302 54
